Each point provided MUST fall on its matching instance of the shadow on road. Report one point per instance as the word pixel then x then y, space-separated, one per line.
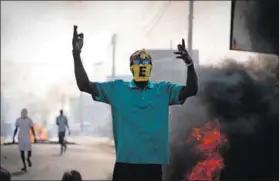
pixel 18 173
pixel 56 155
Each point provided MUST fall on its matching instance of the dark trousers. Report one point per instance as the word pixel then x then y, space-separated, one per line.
pixel 61 136
pixel 144 172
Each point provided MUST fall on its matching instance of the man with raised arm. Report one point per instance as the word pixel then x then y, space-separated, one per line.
pixel 139 111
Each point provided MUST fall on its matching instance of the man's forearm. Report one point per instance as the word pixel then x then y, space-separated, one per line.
pixel 192 81
pixel 80 73
pixel 33 132
pixel 191 84
pixel 15 132
pixel 67 126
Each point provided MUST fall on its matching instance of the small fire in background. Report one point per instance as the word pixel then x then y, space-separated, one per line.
pixel 208 142
pixel 40 131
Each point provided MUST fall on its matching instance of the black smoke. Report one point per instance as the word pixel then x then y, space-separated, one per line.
pixel 245 99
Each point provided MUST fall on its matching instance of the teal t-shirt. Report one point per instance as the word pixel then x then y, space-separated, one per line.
pixel 140 119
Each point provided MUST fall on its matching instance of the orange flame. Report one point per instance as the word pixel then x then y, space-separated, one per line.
pixel 40 131
pixel 209 140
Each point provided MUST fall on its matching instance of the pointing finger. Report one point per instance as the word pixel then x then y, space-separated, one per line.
pixel 75 30
pixel 183 43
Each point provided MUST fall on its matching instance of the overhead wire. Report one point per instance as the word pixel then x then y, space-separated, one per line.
pixel 159 17
pixel 155 16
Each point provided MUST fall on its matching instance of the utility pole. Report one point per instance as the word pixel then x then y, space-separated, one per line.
pixel 81 112
pixel 62 101
pixel 3 110
pixel 190 27
pixel 114 56
pixel 190 36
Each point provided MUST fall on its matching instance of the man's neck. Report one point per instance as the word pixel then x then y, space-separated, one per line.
pixel 141 84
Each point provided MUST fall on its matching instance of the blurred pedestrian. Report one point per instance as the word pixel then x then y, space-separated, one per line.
pixel 62 123
pixel 24 124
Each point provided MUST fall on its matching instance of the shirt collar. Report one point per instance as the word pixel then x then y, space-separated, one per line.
pixel 132 85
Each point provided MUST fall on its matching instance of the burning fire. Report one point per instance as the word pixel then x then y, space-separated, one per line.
pixel 40 131
pixel 208 140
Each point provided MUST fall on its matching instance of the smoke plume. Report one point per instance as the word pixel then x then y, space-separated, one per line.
pixel 244 98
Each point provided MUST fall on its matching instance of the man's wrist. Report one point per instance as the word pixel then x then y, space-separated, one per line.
pixel 76 51
pixel 189 64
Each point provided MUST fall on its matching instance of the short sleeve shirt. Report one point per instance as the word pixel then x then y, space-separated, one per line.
pixel 24 125
pixel 62 123
pixel 140 119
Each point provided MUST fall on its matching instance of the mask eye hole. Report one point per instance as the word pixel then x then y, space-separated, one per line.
pixel 145 61
pixel 137 62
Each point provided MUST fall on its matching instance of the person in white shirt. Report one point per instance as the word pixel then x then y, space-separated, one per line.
pixel 62 123
pixel 24 124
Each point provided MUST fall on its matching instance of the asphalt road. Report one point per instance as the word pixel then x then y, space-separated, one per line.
pixel 94 162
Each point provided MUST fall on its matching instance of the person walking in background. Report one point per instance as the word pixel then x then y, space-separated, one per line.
pixel 62 123
pixel 24 124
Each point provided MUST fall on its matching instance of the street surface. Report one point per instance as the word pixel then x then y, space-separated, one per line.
pixel 93 161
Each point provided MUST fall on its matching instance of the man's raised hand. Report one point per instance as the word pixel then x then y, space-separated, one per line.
pixel 77 41
pixel 183 53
